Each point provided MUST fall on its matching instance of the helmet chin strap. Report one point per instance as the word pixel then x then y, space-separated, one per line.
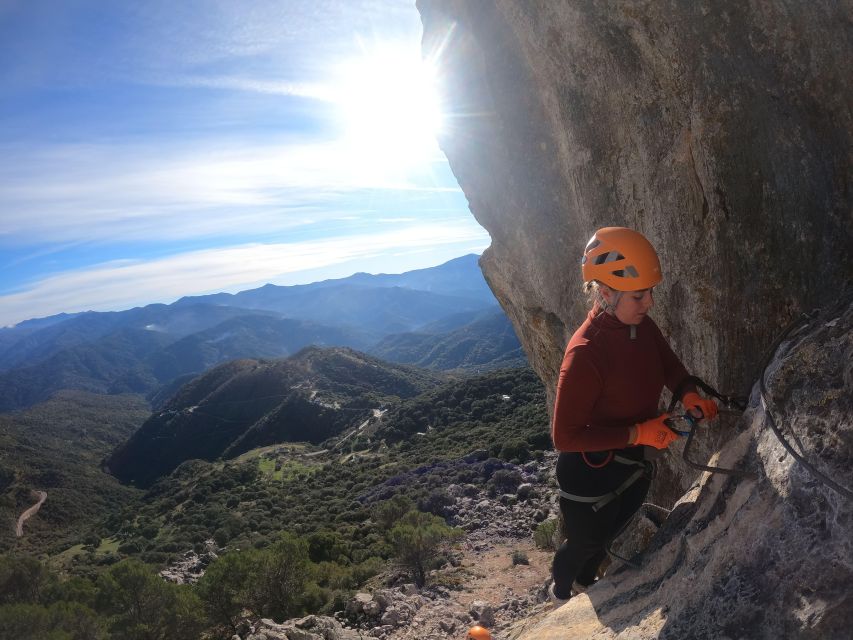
pixel 611 308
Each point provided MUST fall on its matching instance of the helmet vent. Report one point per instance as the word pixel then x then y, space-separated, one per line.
pixel 610 256
pixel 592 244
pixel 627 272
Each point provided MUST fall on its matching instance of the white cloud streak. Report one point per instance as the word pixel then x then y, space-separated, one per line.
pixel 313 91
pixel 96 192
pixel 123 284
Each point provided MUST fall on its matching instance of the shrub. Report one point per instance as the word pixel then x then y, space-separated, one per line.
pixel 388 512
pixel 417 539
pixel 129 547
pixel 547 535
pixel 515 450
pixel 503 481
pixel 60 621
pixel 519 557
pixel 326 546
pixel 436 502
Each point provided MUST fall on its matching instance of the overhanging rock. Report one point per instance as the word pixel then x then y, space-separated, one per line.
pixel 721 129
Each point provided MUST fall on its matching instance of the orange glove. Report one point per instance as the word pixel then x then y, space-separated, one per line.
pixel 707 406
pixel 654 433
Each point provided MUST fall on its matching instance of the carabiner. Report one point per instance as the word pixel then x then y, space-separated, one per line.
pixel 682 425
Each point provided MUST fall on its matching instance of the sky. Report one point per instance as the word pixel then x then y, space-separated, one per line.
pixel 151 150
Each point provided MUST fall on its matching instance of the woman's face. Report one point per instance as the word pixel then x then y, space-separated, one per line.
pixel 631 306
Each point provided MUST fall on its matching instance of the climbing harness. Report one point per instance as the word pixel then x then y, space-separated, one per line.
pixel 683 425
pixel 686 425
pixel 645 468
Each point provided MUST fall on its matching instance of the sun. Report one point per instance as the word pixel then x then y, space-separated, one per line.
pixel 389 109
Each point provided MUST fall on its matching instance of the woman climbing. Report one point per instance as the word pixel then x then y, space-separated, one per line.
pixel 606 410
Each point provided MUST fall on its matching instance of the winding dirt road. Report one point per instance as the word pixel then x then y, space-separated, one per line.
pixel 42 495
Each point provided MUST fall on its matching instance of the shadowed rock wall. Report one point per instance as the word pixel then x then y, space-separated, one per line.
pixel 720 129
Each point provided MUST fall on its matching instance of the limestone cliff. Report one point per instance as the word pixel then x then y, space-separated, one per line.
pixel 721 130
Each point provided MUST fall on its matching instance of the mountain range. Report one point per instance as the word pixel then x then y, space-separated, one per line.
pixel 265 419
pixel 443 317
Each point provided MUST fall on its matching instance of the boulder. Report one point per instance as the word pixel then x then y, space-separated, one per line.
pixel 483 613
pixel 308 628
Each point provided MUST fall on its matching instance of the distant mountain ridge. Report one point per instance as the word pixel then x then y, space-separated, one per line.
pixel 131 360
pixel 144 350
pixel 459 278
pixel 488 341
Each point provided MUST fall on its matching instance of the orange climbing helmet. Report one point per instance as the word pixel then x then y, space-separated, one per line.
pixel 478 633
pixel 622 259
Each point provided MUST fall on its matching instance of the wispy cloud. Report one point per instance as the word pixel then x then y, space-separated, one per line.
pixel 315 91
pixel 145 129
pixel 122 284
pixel 92 192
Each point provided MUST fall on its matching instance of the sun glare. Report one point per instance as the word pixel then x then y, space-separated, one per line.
pixel 389 109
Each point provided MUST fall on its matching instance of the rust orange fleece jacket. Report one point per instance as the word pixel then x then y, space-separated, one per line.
pixel 609 381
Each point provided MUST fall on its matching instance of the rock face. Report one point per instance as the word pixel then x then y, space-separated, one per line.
pixel 763 558
pixel 191 566
pixel 308 628
pixel 720 129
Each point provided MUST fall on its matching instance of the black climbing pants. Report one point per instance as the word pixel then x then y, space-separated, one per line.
pixel 588 534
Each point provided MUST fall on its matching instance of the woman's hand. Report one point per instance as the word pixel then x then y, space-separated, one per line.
pixel 654 433
pixel 698 406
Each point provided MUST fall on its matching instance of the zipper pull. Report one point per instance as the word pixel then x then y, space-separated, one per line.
pixel 633 331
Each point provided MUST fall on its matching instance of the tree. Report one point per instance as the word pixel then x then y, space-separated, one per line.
pixel 283 575
pixel 224 587
pixel 23 580
pixel 141 606
pixel 417 538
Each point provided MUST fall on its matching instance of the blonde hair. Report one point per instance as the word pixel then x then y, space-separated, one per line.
pixel 592 290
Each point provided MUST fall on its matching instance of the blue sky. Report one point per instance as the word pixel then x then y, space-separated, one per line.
pixel 157 149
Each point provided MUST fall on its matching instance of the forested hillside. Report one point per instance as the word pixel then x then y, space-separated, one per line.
pixel 485 341
pixel 57 447
pixel 245 404
pixel 338 503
